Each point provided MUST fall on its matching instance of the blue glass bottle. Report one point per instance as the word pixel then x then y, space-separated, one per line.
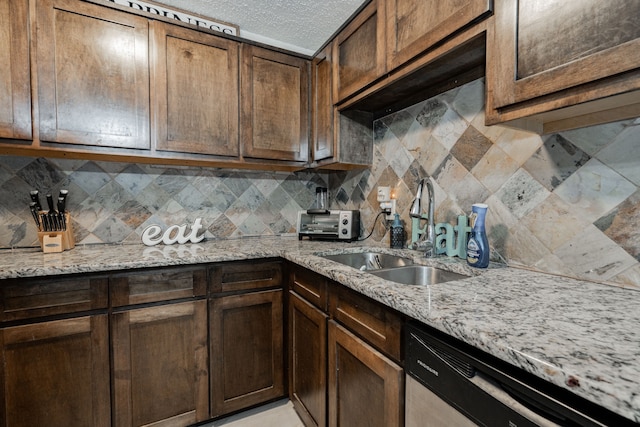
pixel 478 244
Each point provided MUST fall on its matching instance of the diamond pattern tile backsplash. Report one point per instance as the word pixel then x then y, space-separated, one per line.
pixel 566 203
pixel 115 202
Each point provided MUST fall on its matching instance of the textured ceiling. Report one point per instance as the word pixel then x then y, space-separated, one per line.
pixel 297 25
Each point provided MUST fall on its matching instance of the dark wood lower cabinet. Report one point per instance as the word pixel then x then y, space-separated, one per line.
pixel 365 387
pixel 247 360
pixel 308 361
pixel 56 373
pixel 160 365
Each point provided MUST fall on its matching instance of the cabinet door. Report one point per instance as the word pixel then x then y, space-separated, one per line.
pixel 308 361
pixel 322 106
pixel 415 25
pixel 526 61
pixel 195 80
pixel 15 84
pixel 275 105
pixel 365 388
pixel 359 52
pixel 93 75
pixel 246 350
pixel 160 371
pixel 56 373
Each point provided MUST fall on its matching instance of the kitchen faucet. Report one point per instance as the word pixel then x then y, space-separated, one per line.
pixel 428 238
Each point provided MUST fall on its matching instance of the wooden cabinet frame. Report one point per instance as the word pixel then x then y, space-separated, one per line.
pixel 124 98
pixel 454 17
pixel 231 345
pixel 132 373
pixel 210 94
pixel 341 341
pixel 15 71
pixel 308 360
pixel 69 385
pixel 596 88
pixel 352 51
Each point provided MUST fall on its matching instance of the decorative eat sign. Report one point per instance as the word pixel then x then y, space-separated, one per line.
pixel 152 235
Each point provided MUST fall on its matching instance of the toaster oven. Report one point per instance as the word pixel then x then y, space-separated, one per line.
pixel 340 225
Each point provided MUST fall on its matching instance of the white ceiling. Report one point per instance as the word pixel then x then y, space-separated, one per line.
pixel 297 25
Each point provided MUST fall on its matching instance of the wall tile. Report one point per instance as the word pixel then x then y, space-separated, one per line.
pixel 563 203
pixel 112 202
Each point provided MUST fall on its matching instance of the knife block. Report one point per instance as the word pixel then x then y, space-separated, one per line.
pixel 57 241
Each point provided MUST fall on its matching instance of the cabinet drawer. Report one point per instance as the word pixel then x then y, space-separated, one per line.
pixel 372 321
pixel 29 298
pixel 245 275
pixel 157 285
pixel 309 285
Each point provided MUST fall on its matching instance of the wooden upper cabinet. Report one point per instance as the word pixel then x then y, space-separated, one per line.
pixel 93 75
pixel 15 84
pixel 195 83
pixel 359 51
pixel 275 105
pixel 530 71
pixel 413 26
pixel 322 111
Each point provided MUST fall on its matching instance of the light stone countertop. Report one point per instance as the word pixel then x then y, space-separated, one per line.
pixel 582 336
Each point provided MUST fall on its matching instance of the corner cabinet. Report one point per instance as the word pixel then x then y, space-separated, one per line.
pixel 275 105
pixel 15 83
pixel 344 352
pixel 592 76
pixel 195 78
pixel 54 352
pixel 340 141
pixel 93 75
pixel 246 335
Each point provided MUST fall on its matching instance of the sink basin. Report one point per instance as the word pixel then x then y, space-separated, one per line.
pixel 419 275
pixel 370 260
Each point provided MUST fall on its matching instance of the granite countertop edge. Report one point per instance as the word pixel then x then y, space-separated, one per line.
pixel 581 336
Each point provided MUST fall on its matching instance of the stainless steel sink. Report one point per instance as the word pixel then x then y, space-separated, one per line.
pixel 369 260
pixel 419 275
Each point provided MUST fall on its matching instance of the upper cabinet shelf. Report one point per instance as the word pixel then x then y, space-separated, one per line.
pixel 563 65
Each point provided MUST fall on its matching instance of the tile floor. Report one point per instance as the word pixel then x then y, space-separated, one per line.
pixel 275 414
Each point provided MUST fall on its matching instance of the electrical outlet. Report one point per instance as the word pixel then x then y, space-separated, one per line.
pixel 384 194
pixel 392 210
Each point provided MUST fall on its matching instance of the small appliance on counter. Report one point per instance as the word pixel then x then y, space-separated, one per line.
pixel 337 225
pixel 54 226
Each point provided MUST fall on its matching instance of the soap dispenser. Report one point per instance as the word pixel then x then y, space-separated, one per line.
pixel 478 244
pixel 397 239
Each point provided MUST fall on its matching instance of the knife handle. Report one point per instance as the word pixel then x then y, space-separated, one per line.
pixel 33 206
pixel 35 199
pixel 61 204
pixel 50 203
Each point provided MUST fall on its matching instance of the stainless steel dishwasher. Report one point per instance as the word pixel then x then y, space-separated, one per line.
pixel 451 384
